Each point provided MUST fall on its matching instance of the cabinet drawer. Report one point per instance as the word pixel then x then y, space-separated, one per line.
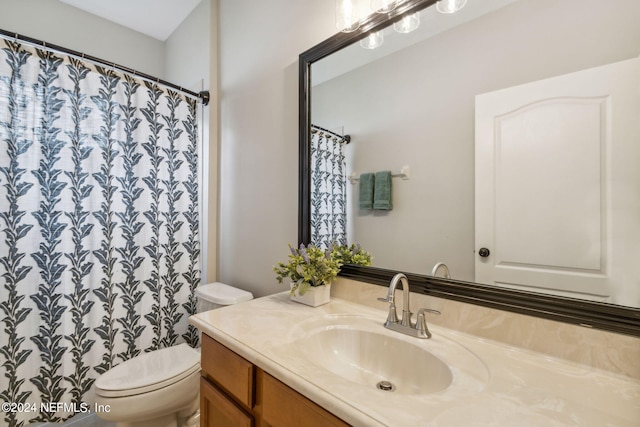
pixel 217 410
pixel 230 371
pixel 285 407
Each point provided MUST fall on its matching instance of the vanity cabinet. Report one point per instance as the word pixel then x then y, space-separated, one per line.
pixel 236 393
pixel 216 409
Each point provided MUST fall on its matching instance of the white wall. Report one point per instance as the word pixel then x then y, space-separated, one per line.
pixel 259 44
pixel 187 50
pixel 191 62
pixel 60 24
pixel 416 108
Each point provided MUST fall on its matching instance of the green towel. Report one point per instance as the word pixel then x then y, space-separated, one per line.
pixel 365 191
pixel 382 194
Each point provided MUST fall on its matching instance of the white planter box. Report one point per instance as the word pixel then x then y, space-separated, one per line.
pixel 315 296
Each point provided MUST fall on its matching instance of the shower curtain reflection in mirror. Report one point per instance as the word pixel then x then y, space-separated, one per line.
pixel 328 188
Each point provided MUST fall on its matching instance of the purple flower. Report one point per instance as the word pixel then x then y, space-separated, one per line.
pixel 304 255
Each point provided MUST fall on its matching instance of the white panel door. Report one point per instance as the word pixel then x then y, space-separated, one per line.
pixel 558 185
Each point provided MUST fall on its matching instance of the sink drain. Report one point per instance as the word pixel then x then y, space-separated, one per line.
pixel 385 386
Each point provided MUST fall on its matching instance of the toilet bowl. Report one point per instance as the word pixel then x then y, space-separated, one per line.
pixel 152 389
pixel 160 388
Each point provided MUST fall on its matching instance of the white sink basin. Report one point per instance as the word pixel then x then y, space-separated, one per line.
pixel 360 350
pixel 367 358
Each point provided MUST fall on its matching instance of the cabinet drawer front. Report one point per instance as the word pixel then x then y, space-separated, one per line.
pixel 217 410
pixel 285 407
pixel 230 371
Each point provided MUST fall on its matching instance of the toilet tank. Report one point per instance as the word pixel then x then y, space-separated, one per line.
pixel 215 295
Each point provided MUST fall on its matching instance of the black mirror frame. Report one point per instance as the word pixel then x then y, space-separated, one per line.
pixel 597 315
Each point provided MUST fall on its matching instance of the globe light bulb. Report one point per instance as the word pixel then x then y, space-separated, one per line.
pixel 372 41
pixel 346 18
pixel 408 23
pixel 450 6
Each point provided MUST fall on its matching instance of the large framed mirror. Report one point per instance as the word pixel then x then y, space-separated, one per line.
pixel 512 132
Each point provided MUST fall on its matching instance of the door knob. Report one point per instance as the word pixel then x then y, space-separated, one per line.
pixel 484 252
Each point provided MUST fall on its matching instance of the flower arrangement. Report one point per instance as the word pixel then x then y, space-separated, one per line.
pixel 308 266
pixel 353 254
pixel 312 266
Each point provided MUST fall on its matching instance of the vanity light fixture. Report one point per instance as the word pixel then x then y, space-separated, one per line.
pixel 450 6
pixel 346 18
pixel 373 40
pixel 383 6
pixel 408 23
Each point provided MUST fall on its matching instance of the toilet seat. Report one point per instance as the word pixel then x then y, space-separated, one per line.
pixel 149 371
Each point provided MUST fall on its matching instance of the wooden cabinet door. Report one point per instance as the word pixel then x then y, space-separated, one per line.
pixel 227 370
pixel 216 410
pixel 284 407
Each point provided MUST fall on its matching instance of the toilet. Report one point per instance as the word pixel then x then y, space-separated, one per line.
pixel 161 388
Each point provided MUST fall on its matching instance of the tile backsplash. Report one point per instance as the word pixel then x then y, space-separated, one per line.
pixel 616 353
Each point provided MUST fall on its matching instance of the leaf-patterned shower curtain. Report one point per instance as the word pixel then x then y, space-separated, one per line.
pixel 328 189
pixel 99 242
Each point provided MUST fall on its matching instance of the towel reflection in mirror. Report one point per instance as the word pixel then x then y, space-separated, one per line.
pixel 374 191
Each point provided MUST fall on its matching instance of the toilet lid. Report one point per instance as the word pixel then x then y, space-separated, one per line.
pixel 222 294
pixel 149 371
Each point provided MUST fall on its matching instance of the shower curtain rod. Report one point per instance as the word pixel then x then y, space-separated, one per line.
pixel 345 138
pixel 203 95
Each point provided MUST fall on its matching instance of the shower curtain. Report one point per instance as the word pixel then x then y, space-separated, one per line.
pixel 99 242
pixel 328 189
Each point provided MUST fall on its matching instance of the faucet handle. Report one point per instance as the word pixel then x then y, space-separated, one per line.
pixel 393 316
pixel 421 322
pixel 428 310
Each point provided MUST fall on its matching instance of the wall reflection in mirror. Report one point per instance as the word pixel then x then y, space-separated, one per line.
pixel 519 120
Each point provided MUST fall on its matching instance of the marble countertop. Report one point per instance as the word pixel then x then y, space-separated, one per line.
pixel 518 387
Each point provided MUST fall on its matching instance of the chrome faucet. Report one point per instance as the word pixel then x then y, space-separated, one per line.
pixel 406 312
pixel 442 265
pixel 405 326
